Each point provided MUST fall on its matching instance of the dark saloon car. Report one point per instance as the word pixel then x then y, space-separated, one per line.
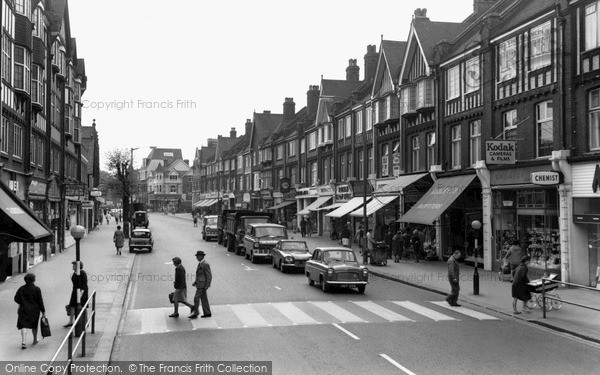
pixel 209 227
pixel 290 254
pixel 260 238
pixel 141 238
pixel 336 266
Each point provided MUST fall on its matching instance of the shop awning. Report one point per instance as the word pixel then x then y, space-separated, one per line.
pixel 396 185
pixel 199 203
pixel 209 202
pixel 347 207
pixel 327 208
pixel 374 205
pixel 281 205
pixel 19 223
pixel 314 205
pixel 439 197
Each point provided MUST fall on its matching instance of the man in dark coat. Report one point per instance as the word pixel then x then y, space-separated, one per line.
pixel 453 279
pixel 79 283
pixel 202 283
pixel 346 233
pixel 303 227
pixel 31 303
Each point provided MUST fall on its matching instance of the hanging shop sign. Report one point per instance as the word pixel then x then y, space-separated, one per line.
pixel 546 178
pixel 284 185
pixel 500 152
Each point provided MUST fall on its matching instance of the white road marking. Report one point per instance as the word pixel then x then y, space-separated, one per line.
pixel 346 331
pixel 431 314
pixel 249 269
pixel 465 311
pixel 381 311
pixel 276 287
pixel 387 358
pixel 338 312
pixel 293 313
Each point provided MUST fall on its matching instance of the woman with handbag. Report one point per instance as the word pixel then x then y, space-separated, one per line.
pixel 180 294
pixel 31 303
pixel 80 282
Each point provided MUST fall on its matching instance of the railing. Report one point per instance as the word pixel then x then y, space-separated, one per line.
pixel 544 297
pixel 69 337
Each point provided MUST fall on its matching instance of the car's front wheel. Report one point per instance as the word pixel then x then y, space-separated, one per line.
pixel 281 267
pixel 361 288
pixel 324 286
pixel 311 282
pixel 273 262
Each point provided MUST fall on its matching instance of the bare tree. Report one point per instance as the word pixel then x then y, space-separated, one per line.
pixel 118 165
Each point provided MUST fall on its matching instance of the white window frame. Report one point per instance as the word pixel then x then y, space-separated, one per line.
pixel 17 141
pixel 472 75
pixel 4 135
pixel 291 148
pixel 359 121
pixel 540 50
pixel 455 137
pixel 507 59
pixel 544 117
pixel 415 153
pixel 453 82
pixel 594 120
pixel 430 149
pixel 475 141
pixel 348 126
pixel 509 122
pixel 279 152
pixel 592 26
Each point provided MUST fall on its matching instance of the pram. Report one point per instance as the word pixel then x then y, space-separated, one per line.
pixel 379 255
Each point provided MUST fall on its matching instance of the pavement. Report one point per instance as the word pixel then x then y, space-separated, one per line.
pixel 108 275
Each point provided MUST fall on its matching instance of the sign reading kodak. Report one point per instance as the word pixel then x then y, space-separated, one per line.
pixel 500 152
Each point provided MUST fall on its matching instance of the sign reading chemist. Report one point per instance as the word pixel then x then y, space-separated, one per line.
pixel 546 178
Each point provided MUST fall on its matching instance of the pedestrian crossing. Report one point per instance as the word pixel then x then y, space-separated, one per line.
pixel 277 314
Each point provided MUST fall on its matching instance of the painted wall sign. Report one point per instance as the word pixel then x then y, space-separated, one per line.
pixel 500 152
pixel 545 178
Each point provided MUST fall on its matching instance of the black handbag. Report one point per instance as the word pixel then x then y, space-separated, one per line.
pixel 171 295
pixel 45 327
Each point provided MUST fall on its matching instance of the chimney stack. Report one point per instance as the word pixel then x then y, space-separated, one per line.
pixel 312 98
pixel 232 133
pixel 352 71
pixel 248 127
pixel 289 109
pixel 211 142
pixel 371 58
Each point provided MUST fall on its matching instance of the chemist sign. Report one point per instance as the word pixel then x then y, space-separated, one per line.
pixel 546 178
pixel 500 152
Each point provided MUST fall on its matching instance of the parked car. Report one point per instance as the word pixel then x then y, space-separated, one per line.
pixel 260 238
pixel 290 254
pixel 336 266
pixel 140 219
pixel 141 238
pixel 209 227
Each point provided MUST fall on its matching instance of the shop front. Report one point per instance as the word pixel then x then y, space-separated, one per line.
pixel 311 201
pixel 36 194
pixel 526 211
pixel 585 226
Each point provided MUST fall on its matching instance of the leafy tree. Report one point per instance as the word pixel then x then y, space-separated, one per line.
pixel 117 162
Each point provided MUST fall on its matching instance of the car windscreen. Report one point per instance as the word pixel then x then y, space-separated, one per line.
pixel 294 246
pixel 211 221
pixel 339 256
pixel 270 232
pixel 140 234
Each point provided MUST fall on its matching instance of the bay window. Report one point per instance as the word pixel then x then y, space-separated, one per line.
pixel 594 119
pixel 544 129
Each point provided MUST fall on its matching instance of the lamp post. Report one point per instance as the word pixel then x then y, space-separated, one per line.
pixel 77 231
pixel 476 225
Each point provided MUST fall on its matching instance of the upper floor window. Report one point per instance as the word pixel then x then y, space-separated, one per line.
pixel 415 151
pixel 341 130
pixel 17 141
pixel 369 119
pixel 23 7
pixel 509 124
pixel 544 129
pixel 507 60
pixel 475 141
pixel 312 138
pixel 430 149
pixel 472 75
pixel 22 69
pixel 592 31
pixel 594 125
pixel 540 46
pixel 279 151
pixel 453 82
pixel 173 177
pixel 348 126
pixel 313 174
pixel 359 122
pixel 455 147
pixel 291 148
pixel 303 145
pixel 4 135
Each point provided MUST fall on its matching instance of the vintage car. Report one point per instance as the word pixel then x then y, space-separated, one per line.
pixel 336 266
pixel 290 254
pixel 260 238
pixel 209 227
pixel 140 219
pixel 141 238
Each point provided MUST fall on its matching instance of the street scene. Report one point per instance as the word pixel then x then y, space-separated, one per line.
pixel 319 188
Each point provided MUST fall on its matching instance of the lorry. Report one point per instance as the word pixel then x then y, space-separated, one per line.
pixel 235 227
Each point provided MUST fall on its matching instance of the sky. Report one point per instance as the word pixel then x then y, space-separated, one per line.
pixel 172 74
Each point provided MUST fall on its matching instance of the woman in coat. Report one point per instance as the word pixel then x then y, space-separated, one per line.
pixel 119 239
pixel 180 286
pixel 520 287
pixel 79 282
pixel 31 303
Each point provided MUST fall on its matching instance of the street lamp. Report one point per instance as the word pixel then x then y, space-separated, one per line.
pixel 476 225
pixel 77 231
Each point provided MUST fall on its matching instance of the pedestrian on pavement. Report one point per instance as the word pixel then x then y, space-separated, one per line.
pixel 202 283
pixel 120 218
pixel 195 219
pixel 407 253
pixel 345 234
pixel 520 287
pixel 79 282
pixel 389 239
pixel 417 245
pixel 180 293
pixel 514 255
pixel 107 219
pixel 303 226
pixel 397 246
pixel 295 224
pixel 453 278
pixel 308 227
pixel 31 303
pixel 370 245
pixel 119 239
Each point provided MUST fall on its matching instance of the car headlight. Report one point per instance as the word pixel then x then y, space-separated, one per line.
pixel 289 259
pixel 330 271
pixel 256 245
pixel 365 272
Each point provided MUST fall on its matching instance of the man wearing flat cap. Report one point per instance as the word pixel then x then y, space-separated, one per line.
pixel 202 283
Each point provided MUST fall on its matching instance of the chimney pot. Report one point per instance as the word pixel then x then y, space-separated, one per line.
pixel 352 71
pixel 232 133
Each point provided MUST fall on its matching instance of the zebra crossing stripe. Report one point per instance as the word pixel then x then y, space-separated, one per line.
pixel 249 316
pixel 338 312
pixel 422 310
pixel 381 311
pixel 293 313
pixel 153 322
pixel 465 311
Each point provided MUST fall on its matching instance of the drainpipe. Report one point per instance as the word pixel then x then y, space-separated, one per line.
pixel 483 173
pixel 565 195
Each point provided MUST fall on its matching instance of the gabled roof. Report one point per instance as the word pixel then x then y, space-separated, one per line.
pixel 286 128
pixel 338 87
pixel 263 125
pixel 391 55
pixel 164 154
pixel 224 144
